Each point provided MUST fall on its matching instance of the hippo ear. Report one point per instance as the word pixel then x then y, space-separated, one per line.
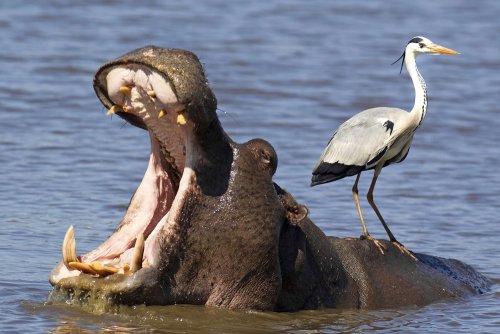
pixel 266 156
pixel 295 212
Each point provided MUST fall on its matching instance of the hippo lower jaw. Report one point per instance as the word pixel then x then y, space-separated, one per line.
pixel 144 98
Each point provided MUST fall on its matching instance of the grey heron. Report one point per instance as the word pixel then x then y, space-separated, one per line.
pixel 377 137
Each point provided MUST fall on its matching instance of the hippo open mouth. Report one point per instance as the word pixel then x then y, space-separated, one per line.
pixel 146 98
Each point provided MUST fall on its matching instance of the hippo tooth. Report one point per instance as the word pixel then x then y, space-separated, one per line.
pixel 125 90
pixel 113 110
pixel 103 270
pixel 138 253
pixel 151 93
pixel 69 247
pixel 181 119
pixel 162 113
pixel 83 267
pixel 125 270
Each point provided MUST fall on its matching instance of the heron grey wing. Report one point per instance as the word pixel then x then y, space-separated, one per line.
pixel 353 145
pixel 363 137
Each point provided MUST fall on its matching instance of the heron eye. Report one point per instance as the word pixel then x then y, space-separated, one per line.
pixel 421 45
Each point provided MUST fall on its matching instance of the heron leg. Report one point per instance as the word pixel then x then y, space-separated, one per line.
pixel 358 206
pixel 369 196
pixel 366 235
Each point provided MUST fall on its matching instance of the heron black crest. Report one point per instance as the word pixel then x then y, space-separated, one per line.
pixel 402 61
pixel 415 40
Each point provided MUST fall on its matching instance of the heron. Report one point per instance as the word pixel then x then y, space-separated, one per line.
pixel 378 137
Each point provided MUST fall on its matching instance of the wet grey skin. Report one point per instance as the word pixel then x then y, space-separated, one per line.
pixel 231 237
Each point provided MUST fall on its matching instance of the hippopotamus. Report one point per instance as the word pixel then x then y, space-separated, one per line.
pixel 208 226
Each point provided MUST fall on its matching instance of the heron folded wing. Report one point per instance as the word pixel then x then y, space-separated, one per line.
pixel 356 144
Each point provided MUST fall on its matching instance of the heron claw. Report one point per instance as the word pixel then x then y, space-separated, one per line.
pixel 403 249
pixel 377 243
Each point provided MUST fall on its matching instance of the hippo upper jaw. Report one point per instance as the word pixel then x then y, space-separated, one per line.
pixel 146 94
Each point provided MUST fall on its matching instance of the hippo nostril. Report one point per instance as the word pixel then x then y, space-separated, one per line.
pixel 264 157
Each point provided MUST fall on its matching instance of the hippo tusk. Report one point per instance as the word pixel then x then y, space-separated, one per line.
pixel 151 93
pixel 83 267
pixel 69 247
pixel 71 261
pixel 138 253
pixel 96 268
pixel 102 270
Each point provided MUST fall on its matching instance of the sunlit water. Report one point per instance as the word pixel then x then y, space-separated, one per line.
pixel 287 71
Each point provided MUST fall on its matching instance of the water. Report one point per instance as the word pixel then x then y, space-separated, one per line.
pixel 287 71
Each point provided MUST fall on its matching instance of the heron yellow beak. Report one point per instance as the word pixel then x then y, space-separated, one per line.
pixel 442 50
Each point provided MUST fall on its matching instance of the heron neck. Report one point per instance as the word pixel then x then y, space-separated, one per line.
pixel 420 107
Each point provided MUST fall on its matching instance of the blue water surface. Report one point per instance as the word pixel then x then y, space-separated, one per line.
pixel 286 71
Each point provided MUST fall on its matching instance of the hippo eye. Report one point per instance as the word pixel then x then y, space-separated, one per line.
pixel 421 45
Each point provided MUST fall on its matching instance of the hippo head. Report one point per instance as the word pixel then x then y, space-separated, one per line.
pixel 204 225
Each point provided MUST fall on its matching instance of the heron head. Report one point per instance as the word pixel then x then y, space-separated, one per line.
pixel 421 45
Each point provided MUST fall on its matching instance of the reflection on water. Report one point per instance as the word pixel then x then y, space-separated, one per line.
pixel 289 72
pixel 198 319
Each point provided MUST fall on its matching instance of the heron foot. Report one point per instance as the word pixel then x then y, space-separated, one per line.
pixel 377 243
pixel 403 249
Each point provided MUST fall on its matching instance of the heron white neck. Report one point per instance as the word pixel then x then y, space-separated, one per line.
pixel 420 107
